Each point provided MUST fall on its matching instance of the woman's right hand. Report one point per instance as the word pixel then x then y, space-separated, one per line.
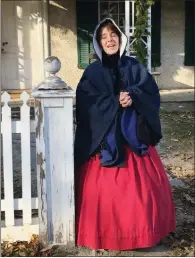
pixel 125 100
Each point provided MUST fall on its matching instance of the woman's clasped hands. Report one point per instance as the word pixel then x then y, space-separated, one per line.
pixel 124 99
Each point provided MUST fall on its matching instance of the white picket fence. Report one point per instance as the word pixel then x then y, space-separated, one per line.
pixel 17 229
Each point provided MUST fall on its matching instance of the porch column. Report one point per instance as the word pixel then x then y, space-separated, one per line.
pixel 54 153
pixel 149 41
pixel 127 25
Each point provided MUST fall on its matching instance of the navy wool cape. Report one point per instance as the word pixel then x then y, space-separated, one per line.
pixel 97 104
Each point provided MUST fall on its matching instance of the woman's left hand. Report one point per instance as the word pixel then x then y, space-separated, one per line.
pixel 125 100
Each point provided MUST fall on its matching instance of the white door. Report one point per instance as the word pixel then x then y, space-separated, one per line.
pixel 22 58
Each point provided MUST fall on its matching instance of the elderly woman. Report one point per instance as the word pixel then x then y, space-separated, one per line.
pixel 123 196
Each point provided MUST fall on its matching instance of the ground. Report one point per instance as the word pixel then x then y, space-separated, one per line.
pixel 177 152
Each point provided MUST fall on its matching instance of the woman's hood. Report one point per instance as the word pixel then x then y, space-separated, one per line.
pixel 98 49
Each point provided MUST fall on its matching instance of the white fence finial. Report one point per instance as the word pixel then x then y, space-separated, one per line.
pixel 5 97
pixel 24 96
pixel 52 65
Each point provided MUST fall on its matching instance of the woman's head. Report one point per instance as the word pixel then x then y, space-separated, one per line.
pixel 108 37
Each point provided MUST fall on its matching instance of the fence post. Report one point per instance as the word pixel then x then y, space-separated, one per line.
pixel 54 153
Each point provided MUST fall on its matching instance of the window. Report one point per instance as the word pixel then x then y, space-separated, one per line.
pixel 87 19
pixel 189 33
pixel 97 10
pixel 156 34
pixel 113 9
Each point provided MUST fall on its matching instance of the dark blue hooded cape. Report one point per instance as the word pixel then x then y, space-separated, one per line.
pixel 97 106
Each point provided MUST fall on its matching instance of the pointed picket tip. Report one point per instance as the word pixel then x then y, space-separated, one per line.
pixel 5 97
pixel 24 96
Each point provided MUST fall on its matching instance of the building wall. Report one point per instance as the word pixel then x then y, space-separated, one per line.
pixel 21 64
pixel 62 22
pixel 173 73
pixel 22 28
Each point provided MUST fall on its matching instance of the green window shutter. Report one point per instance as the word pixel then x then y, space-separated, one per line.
pixel 87 19
pixel 156 34
pixel 189 33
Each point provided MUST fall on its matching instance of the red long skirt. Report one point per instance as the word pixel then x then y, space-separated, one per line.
pixel 123 208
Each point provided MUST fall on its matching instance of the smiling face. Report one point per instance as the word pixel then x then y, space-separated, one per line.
pixel 109 41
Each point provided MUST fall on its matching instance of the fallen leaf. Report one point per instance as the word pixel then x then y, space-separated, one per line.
pixel 47 248
pixel 21 246
pixel 189 198
pixel 178 169
pixel 190 157
pixel 175 140
pixel 183 241
pixel 23 254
